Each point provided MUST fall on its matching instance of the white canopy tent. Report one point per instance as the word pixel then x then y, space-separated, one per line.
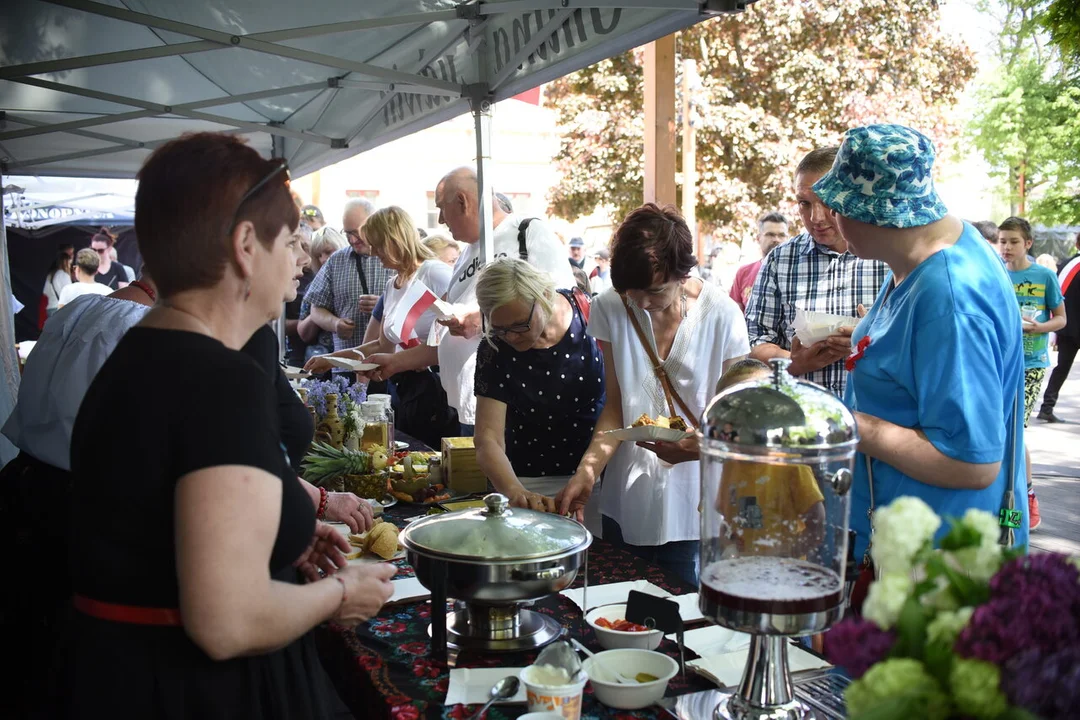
pixel 34 202
pixel 88 89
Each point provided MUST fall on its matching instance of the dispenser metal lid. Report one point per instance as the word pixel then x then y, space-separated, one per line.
pixel 780 412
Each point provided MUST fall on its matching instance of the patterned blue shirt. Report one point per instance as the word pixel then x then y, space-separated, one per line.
pixel 803 273
pixel 337 288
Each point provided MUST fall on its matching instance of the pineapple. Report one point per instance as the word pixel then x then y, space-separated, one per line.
pixel 324 463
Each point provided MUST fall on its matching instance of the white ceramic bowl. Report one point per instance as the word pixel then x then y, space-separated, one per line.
pixel 614 639
pixel 629 662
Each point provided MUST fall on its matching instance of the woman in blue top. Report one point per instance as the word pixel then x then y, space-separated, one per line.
pixel 937 363
pixel 539 387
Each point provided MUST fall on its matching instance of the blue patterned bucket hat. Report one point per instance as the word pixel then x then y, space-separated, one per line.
pixel 882 177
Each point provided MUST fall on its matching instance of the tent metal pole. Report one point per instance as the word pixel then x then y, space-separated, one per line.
pixel 159 109
pixel 482 112
pixel 41 128
pixel 277 150
pixel 9 358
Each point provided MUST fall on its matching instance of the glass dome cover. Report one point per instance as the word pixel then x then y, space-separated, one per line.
pixel 496 533
pixel 779 412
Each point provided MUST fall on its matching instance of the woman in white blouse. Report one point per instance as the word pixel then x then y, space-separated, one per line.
pixel 650 493
pixel 408 314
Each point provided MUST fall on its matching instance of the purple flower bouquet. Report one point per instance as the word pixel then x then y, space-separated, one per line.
pixel 968 630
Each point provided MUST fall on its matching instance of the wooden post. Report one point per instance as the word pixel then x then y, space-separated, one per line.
pixel 689 155
pixel 660 121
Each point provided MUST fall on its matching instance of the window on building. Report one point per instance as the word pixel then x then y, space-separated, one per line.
pixel 371 196
pixel 521 202
pixel 432 212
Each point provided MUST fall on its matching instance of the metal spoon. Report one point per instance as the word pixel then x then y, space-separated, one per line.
pixel 505 688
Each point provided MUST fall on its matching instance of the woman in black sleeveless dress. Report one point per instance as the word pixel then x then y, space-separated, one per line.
pixel 190 528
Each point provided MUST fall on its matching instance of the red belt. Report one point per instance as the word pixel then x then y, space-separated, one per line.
pixel 130 614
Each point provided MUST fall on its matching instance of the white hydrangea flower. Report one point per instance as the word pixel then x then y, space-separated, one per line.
pixel 984 523
pixel 946 626
pixel 901 529
pixel 982 561
pixel 886 597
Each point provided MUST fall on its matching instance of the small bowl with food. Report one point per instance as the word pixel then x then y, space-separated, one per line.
pixel 614 631
pixel 647 671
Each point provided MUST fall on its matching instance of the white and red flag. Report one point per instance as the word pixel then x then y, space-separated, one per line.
pixel 401 321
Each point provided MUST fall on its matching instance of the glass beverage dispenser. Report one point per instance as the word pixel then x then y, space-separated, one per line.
pixel 777 456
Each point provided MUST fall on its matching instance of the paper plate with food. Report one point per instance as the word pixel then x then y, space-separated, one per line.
pixel 378 544
pixel 646 429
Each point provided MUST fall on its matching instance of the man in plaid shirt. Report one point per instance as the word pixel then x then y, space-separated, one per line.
pixel 813 271
pixel 344 292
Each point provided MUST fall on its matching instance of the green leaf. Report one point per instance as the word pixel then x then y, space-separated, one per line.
pixel 967 591
pixel 939 659
pixel 960 536
pixel 911 630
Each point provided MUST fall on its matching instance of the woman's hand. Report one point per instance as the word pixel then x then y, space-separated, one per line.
pixel 387 366
pixel 673 453
pixel 319 364
pixel 533 501
pixel 572 499
pixel 1031 327
pixel 347 508
pixel 367 588
pixel 326 552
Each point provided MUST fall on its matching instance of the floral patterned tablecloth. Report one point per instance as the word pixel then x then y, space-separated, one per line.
pixel 382 668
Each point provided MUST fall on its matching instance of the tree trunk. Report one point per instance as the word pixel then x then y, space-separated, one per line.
pixel 1023 188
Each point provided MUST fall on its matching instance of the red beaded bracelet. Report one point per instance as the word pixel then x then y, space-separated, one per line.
pixel 324 501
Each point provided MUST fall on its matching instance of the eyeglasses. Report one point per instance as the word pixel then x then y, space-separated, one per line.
pixel 281 167
pixel 353 235
pixel 502 332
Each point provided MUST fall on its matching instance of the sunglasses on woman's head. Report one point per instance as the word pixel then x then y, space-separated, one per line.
pixel 281 167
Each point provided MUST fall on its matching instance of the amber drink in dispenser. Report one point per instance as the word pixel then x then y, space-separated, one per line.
pixel 777 456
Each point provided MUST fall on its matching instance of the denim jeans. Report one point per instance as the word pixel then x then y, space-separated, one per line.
pixel 467 430
pixel 681 557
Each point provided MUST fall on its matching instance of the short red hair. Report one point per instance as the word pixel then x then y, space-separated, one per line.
pixel 189 189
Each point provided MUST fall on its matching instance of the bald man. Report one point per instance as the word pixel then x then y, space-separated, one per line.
pixel 456 196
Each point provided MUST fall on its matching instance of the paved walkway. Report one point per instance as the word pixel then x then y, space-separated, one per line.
pixel 1055 457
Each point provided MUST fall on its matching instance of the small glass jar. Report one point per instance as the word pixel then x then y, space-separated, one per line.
pixel 376 428
pixel 385 400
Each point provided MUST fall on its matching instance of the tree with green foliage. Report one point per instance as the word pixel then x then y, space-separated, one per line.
pixel 776 82
pixel 1062 20
pixel 1027 120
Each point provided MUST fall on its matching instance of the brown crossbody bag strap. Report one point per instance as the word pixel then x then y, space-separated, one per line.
pixel 670 394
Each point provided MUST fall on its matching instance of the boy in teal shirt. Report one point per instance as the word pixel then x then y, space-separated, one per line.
pixel 1042 309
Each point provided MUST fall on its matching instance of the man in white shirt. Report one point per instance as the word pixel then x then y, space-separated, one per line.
pixel 457 198
pixel 86 267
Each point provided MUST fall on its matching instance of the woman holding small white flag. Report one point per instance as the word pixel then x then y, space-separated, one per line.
pixel 420 405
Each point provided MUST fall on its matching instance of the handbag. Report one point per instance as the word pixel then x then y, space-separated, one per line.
pixel 670 393
pixel 1009 517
